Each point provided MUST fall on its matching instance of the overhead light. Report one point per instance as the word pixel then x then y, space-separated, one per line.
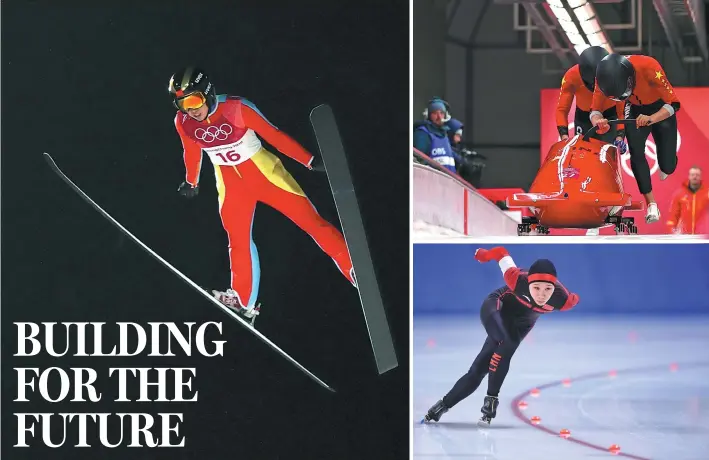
pixel 591 33
pixel 560 13
pixel 576 3
pixel 591 27
pixel 584 12
pixel 581 48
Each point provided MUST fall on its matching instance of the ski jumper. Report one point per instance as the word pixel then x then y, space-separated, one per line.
pixel 246 173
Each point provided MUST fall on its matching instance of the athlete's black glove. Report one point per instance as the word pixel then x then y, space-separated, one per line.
pixel 317 165
pixel 185 189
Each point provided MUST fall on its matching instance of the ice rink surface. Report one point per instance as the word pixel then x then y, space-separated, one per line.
pixel 640 383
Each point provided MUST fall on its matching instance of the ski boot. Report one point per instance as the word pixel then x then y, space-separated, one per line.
pixel 489 410
pixel 435 412
pixel 230 300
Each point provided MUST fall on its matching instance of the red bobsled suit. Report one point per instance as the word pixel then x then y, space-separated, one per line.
pixel 247 173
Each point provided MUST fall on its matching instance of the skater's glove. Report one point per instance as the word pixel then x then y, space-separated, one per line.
pixel 187 190
pixel 485 255
pixel 571 302
pixel 621 145
pixel 317 165
pixel 574 299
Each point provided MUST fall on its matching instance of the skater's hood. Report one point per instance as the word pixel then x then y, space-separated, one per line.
pixel 542 270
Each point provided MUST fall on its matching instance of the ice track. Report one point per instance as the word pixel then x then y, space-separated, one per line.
pixel 638 383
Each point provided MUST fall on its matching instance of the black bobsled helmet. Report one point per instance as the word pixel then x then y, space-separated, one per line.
pixel 616 77
pixel 191 86
pixel 588 61
pixel 542 270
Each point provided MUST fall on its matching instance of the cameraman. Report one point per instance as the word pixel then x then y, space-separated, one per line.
pixel 469 164
pixel 431 135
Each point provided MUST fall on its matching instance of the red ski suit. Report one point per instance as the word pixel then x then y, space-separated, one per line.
pixel 247 173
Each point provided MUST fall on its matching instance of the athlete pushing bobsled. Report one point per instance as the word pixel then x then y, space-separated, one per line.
pixel 226 128
pixel 578 83
pixel 641 83
pixel 508 314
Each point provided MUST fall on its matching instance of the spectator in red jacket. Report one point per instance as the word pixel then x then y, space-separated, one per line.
pixel 690 205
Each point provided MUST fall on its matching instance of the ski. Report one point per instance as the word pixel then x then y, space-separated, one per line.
pixel 337 169
pixel 184 278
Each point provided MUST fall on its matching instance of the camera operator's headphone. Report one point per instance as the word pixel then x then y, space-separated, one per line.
pixel 445 104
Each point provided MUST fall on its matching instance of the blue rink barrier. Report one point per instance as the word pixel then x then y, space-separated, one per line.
pixel 647 279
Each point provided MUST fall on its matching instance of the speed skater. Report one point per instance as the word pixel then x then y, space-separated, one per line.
pixel 226 128
pixel 508 315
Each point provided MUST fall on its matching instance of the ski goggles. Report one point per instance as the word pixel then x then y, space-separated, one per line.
pixel 191 102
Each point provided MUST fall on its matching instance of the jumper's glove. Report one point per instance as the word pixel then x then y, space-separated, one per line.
pixel 621 145
pixel 317 165
pixel 187 190
pixel 486 255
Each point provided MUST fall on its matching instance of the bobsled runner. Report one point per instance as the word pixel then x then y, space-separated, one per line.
pixel 578 186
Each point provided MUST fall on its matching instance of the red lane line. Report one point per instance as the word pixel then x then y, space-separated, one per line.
pixel 518 413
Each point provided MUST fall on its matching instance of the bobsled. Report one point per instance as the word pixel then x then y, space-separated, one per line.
pixel 578 186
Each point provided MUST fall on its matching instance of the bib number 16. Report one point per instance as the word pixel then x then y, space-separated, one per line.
pixel 229 157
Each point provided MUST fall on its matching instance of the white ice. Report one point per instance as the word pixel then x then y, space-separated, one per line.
pixel 424 229
pixel 649 410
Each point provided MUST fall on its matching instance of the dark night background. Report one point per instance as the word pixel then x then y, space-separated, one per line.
pixel 87 83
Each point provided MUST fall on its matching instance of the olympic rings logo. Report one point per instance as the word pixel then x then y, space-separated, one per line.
pixel 214 133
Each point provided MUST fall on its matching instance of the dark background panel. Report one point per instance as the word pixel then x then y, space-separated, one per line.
pixel 87 82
